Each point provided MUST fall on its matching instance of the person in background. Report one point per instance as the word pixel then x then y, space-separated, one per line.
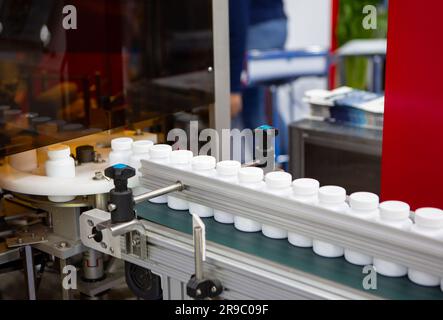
pixel 254 25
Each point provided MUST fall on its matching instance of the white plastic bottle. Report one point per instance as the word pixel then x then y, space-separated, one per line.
pixel 428 222
pixel 60 164
pixel 227 171
pixel 121 151
pixel 363 205
pixel 180 159
pixel 332 198
pixel 140 151
pixel 252 178
pixel 277 183
pixel 205 166
pixel 160 153
pixel 305 190
pixel 396 215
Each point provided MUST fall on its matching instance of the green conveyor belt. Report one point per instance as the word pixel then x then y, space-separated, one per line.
pixel 282 252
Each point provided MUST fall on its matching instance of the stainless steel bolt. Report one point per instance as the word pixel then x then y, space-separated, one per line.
pixel 90 223
pixel 198 292
pixel 111 249
pixel 214 289
pixel 104 245
pixel 111 207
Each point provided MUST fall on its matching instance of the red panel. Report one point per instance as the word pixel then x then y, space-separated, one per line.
pixel 334 41
pixel 412 168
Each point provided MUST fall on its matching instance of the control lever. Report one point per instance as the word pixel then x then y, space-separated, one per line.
pixel 198 286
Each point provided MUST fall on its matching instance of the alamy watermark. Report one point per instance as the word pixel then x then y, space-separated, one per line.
pixel 227 144
pixel 70 17
pixel 370 20
pixel 370 280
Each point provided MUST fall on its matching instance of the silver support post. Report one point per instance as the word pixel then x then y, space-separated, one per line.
pixel 29 272
pixel 92 265
pixel 198 247
pixel 159 192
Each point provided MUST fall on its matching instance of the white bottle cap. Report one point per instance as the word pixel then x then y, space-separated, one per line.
pixel 305 187
pixel 203 163
pixel 142 146
pixel 278 180
pixel 59 151
pixel 429 218
pixel 121 144
pixel 160 151
pixel 364 201
pixel 228 168
pixel 332 194
pixel 250 175
pixel 394 210
pixel 180 157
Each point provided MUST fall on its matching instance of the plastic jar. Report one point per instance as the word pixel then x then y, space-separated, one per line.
pixel 60 164
pixel 24 161
pixel 160 153
pixel 331 198
pixel 251 178
pixel 396 215
pixel 428 222
pixel 306 191
pixel 179 159
pixel 363 205
pixel 121 151
pixel 279 184
pixel 140 151
pixel 227 171
pixel 205 166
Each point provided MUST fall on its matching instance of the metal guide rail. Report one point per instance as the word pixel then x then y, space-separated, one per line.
pixel 243 276
pixel 377 240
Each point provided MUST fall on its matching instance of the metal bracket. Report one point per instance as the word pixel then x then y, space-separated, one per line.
pixel 198 287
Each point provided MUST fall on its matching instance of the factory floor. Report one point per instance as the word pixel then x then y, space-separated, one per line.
pixel 13 287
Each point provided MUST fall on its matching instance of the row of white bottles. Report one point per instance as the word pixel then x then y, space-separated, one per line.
pixel 227 171
pixel 363 205
pixel 331 198
pixel 179 159
pixel 204 166
pixel 429 223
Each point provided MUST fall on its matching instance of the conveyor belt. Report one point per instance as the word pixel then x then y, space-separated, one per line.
pixel 282 252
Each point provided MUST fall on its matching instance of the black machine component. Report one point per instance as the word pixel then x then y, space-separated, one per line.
pixel 85 154
pixel 143 283
pixel 121 199
pixel 204 288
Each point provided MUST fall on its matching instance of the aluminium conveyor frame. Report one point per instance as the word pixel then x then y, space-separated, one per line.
pixel 170 254
pixel 412 250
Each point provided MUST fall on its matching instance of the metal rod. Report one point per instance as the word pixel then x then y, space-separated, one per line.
pixel 29 272
pixel 198 247
pixel 159 192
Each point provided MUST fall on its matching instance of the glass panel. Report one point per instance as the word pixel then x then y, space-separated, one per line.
pixel 129 63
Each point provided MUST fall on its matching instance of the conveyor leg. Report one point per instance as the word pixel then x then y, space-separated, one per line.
pixel 29 271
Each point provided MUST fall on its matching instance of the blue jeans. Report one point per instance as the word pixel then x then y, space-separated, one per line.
pixel 263 36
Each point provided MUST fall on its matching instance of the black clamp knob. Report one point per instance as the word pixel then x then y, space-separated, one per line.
pixel 121 197
pixel 120 173
pixel 204 288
